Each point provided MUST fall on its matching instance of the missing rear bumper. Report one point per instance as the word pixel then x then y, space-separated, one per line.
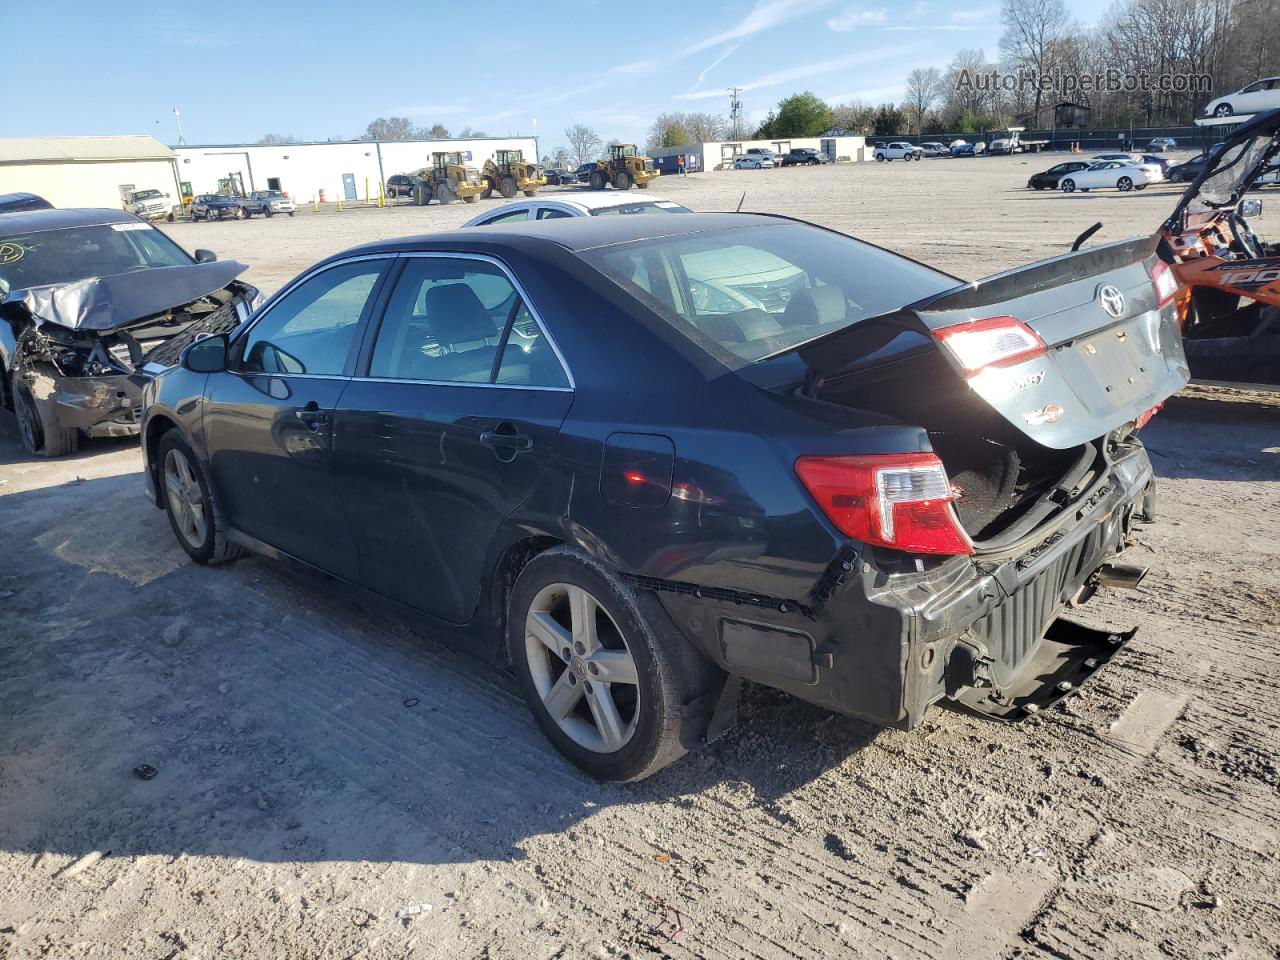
pixel 1069 655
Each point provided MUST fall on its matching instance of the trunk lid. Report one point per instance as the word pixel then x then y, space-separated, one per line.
pixel 1112 352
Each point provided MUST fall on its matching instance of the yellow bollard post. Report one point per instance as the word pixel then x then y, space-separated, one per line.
pixel 382 197
pixel 340 196
pixel 315 204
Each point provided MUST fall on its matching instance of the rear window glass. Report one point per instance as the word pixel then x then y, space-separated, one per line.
pixel 751 292
pixel 643 206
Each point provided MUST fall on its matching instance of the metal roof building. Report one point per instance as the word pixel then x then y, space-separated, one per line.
pixel 87 171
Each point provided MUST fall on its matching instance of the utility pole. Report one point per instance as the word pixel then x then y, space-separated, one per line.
pixel 177 115
pixel 735 114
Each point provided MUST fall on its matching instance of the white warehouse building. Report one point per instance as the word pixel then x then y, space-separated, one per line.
pixel 328 171
pixel 720 154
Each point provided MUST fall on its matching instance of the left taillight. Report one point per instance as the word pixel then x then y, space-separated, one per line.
pixel 1165 282
pixel 992 342
pixel 901 501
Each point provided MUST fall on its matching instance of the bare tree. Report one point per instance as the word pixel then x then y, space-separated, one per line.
pixel 278 138
pixel 1033 34
pixel 584 143
pixel 391 128
pixel 925 87
pixel 437 131
pixel 469 133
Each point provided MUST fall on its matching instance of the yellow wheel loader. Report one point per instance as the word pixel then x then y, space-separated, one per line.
pixel 449 179
pixel 623 169
pixel 508 173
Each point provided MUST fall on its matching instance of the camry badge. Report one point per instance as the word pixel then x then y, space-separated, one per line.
pixel 1049 413
pixel 1112 301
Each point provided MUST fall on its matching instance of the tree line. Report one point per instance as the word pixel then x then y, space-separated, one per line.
pixel 1043 53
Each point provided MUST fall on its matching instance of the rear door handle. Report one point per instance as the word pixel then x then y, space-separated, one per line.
pixel 507 441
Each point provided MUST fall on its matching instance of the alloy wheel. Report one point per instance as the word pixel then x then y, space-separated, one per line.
pixel 581 668
pixel 186 499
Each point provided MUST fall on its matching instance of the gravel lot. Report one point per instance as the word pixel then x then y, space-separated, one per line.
pixel 324 765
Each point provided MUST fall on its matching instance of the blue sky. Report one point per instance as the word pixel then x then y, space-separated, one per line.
pixel 325 69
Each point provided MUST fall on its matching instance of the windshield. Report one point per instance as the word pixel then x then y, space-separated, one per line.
pixel 146 194
pixel 747 293
pixel 75 253
pixel 641 206
pixel 1235 169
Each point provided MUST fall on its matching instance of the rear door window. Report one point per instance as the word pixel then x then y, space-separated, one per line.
pixel 459 320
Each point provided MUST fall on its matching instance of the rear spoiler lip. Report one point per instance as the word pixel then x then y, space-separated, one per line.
pixel 1043 275
pixel 826 357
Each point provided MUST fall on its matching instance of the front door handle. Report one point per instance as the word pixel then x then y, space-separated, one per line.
pixel 312 415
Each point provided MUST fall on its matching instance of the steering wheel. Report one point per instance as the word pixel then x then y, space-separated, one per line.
pixel 1245 236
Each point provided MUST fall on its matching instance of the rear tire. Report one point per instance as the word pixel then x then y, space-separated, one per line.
pixel 622 180
pixel 642 185
pixel 445 194
pixel 1124 184
pixel 39 431
pixel 531 193
pixel 471 197
pixel 571 624
pixel 1140 186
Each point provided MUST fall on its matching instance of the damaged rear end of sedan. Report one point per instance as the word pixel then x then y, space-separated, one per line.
pixel 982 473
pixel 92 303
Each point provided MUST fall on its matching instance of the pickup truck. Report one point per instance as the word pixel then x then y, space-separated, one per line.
pixel 266 202
pixel 804 156
pixel 148 204
pixel 898 151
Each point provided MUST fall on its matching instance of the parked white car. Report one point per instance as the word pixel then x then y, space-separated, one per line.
pixel 1154 171
pixel 1115 174
pixel 753 161
pixel 576 205
pixel 898 151
pixel 1255 98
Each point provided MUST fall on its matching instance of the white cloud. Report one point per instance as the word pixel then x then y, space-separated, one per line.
pixel 803 71
pixel 974 14
pixel 715 63
pixel 765 15
pixel 628 69
pixel 856 17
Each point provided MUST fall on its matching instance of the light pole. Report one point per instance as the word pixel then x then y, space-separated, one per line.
pixel 177 115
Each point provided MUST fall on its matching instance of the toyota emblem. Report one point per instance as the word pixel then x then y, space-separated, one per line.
pixel 1112 301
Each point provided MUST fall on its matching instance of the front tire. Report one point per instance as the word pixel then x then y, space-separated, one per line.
pixel 38 428
pixel 487 192
pixel 602 669
pixel 193 510
pixel 598 180
pixel 1068 186
pixel 508 187
pixel 1223 110
pixel 622 180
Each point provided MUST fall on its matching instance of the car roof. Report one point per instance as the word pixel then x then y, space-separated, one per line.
pixel 35 221
pixel 573 233
pixel 584 200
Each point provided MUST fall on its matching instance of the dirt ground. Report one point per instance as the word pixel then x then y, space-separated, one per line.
pixel 324 766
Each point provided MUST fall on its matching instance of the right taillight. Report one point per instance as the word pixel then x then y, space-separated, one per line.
pixel 1165 282
pixel 993 342
pixel 902 501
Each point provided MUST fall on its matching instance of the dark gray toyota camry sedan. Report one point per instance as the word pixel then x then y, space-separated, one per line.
pixel 640 459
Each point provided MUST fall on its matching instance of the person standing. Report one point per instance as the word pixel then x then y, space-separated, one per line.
pixel 680 163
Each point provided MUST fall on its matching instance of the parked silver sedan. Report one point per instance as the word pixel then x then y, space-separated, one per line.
pixel 592 204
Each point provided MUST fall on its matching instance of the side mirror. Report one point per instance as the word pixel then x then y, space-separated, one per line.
pixel 1249 208
pixel 205 256
pixel 207 355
